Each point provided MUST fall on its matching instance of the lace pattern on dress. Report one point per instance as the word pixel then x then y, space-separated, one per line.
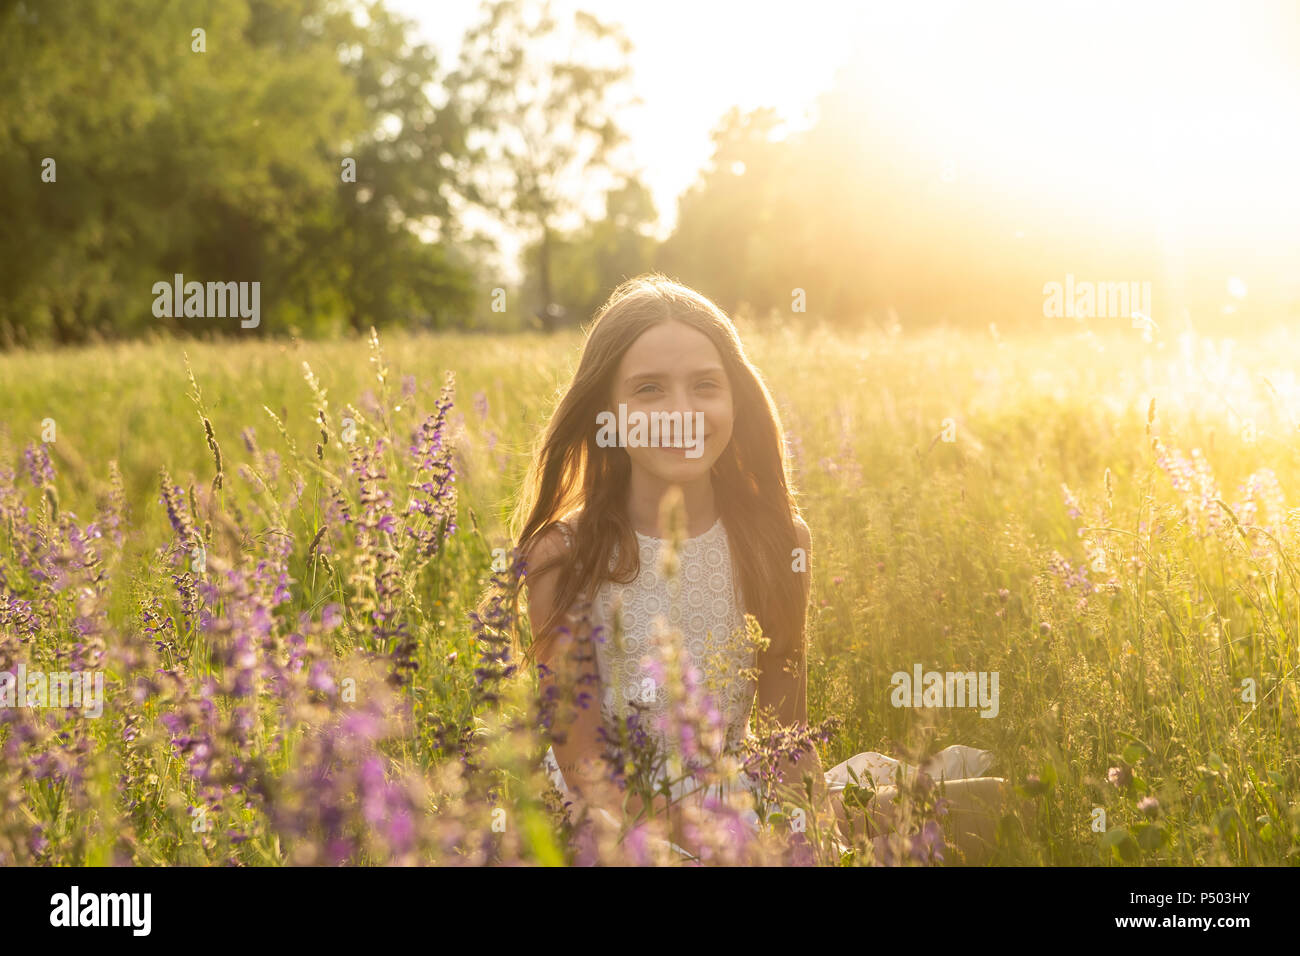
pixel 704 604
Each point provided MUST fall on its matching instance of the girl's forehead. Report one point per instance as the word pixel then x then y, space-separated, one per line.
pixel 670 346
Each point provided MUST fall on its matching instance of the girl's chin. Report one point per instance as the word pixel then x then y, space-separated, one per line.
pixel 672 465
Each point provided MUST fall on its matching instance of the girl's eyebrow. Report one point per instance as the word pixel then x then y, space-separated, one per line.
pixel 710 370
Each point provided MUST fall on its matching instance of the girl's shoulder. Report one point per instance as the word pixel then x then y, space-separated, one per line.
pixel 567 526
pixel 558 536
pixel 802 534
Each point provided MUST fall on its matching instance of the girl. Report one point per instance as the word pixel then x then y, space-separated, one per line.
pixel 590 527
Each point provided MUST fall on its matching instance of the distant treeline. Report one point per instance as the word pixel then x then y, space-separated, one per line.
pixel 320 151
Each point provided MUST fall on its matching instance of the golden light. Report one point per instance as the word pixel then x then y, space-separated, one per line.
pixel 1182 114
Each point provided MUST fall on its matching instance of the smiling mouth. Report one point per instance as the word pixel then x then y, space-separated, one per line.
pixel 684 445
pixel 679 451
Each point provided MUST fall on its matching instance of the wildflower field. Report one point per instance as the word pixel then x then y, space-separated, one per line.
pixel 289 562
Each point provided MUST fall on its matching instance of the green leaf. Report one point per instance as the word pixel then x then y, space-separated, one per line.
pixel 1121 845
pixel 1134 752
pixel 1151 836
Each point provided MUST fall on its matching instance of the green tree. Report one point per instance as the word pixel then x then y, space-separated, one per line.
pixel 405 171
pixel 590 262
pixel 219 156
pixel 734 223
pixel 542 125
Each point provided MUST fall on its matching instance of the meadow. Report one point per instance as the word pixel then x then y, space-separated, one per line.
pixel 277 553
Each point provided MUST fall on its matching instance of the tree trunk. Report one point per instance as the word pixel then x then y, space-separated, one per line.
pixel 544 264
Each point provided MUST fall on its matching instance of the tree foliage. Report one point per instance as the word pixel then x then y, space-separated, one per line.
pixel 220 156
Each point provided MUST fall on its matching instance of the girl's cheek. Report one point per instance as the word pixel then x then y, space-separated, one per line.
pixel 720 417
pixel 715 407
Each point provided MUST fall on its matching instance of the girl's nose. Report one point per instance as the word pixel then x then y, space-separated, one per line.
pixel 685 401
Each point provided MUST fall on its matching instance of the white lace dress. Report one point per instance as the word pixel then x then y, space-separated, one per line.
pixel 703 603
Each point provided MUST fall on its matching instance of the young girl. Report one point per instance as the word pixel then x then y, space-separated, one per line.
pixel 589 525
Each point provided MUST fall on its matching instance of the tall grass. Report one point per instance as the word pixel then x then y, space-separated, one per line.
pixel 296 673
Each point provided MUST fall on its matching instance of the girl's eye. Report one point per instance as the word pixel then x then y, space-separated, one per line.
pixel 707 383
pixel 644 389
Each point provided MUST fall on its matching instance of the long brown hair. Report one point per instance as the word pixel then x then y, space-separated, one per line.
pixel 751 485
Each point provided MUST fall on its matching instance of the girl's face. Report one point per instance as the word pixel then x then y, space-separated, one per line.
pixel 672 367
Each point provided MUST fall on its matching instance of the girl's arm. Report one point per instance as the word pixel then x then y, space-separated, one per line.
pixel 577 746
pixel 783 692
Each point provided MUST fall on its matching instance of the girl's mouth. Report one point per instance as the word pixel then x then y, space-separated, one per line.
pixel 681 450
